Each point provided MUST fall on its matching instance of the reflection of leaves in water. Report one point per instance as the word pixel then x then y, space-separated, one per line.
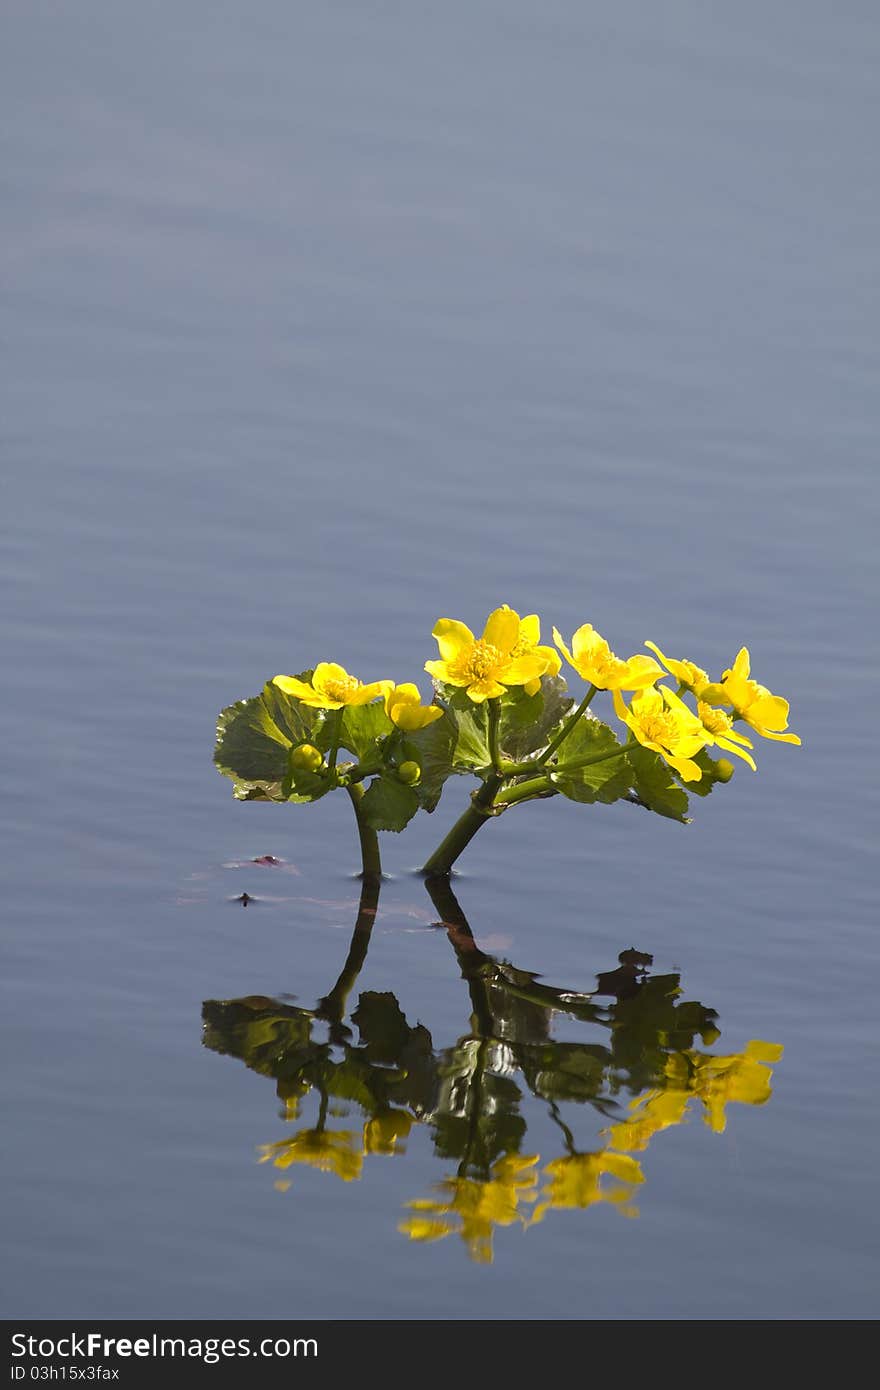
pixel 469 1095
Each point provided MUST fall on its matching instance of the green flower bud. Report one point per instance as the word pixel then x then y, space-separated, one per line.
pixel 307 758
pixel 724 770
pixel 410 773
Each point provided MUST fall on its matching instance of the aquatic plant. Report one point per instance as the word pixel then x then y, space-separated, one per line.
pixel 500 712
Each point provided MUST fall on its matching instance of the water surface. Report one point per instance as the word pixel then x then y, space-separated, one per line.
pixel 317 328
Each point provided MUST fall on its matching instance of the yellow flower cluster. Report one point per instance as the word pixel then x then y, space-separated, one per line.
pixel 509 653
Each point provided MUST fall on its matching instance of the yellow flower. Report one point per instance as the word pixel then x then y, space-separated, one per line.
pixel 384 1131
pixel 332 1151
pixel 663 722
pixel 766 713
pixel 576 1181
pixel 529 644
pixel 687 673
pixel 720 731
pixel 331 688
pixel 714 1081
pixel 473 1209
pixel 594 660
pixel 484 666
pixel 403 705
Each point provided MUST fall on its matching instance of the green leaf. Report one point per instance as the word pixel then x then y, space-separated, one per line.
pixel 655 785
pixel 388 804
pixel 361 727
pixel 254 738
pixel 298 722
pixel 566 1071
pixel 471 723
pixel 432 748
pixel 528 722
pixel 605 781
pixel 251 748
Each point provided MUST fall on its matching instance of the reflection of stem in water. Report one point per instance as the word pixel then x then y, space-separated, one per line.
pixel 333 1006
pixel 468 954
pixel 322 1112
pixel 475 1108
pixel 567 1134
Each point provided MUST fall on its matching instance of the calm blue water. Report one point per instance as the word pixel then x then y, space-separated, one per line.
pixel 323 322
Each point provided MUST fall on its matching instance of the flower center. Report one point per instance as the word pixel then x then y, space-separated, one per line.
pixel 692 675
pixel 660 728
pixel 478 663
pixel 338 690
pixel 715 720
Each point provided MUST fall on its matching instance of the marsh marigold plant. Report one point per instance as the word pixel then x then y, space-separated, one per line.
pixel 500 712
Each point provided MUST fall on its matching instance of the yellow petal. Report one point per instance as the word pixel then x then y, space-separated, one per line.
pixel 407 692
pixel 620 708
pixel 742 665
pixel 410 718
pixel 291 686
pixel 530 630
pixel 485 689
pixel 502 629
pixel 670 665
pixel 730 747
pixel 452 638
pixel 557 638
pixel 777 738
pixel 440 671
pixel 552 659
pixel 585 640
pixel 522 669
pixel 365 693
pixel 716 694
pixel 688 770
pixel 641 671
pixel 328 671
pixel 769 710
pixel 648 701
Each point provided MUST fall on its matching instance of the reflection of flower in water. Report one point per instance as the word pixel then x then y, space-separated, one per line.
pixel 384 1132
pixel 714 1081
pixel 576 1181
pixel 332 1151
pixel 472 1209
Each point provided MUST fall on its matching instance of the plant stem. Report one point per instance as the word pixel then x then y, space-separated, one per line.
pixel 494 717
pixel 526 791
pixel 370 859
pixel 598 757
pixel 464 830
pixel 568 726
pixel 337 730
